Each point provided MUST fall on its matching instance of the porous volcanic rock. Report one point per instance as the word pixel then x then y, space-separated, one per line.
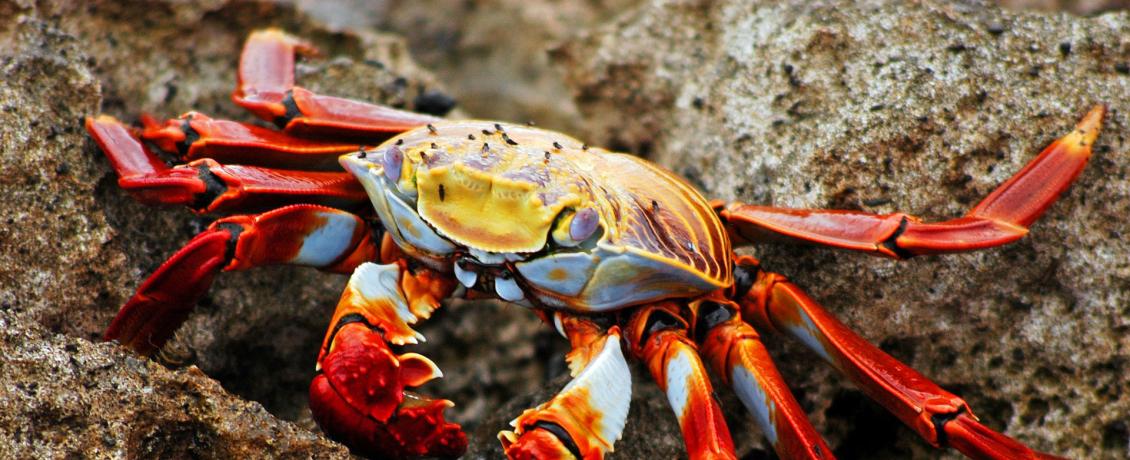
pixel 922 107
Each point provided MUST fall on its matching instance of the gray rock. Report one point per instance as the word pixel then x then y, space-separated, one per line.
pixel 73 247
pixel 920 107
pixel 1034 335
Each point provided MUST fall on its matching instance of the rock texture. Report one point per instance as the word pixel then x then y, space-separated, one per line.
pixel 73 246
pixel 493 55
pixel 920 107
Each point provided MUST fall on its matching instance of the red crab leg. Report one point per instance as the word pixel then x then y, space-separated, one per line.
pixel 310 235
pixel 207 186
pixel 266 88
pixel 1002 217
pixel 195 136
pixel 587 416
pixel 940 417
pixel 738 357
pixel 358 395
pixel 658 335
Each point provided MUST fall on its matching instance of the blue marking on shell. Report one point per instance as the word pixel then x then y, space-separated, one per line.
pixel 756 400
pixel 393 161
pixel 624 277
pixel 413 229
pixel 328 242
pixel 562 273
pixel 584 224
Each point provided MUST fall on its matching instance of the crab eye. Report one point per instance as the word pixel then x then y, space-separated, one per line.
pixel 393 161
pixel 577 227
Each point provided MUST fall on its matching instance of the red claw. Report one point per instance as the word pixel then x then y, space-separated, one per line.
pixel 359 399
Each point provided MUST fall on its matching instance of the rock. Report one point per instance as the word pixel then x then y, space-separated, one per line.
pixel 65 396
pixel 73 246
pixel 493 55
pixel 921 107
pixel 1085 7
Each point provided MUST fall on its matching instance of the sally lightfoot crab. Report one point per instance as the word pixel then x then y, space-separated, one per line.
pixel 623 258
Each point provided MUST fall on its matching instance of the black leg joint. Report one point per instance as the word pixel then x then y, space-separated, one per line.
pixel 347 319
pixel 891 242
pixel 744 277
pixel 940 421
pixel 659 321
pixel 214 186
pixel 233 240
pixel 190 136
pixel 710 315
pixel 561 434
pixel 292 111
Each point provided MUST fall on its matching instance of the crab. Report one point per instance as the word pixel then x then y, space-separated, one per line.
pixel 623 258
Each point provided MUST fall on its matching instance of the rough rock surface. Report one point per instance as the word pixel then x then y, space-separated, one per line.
pixel 73 246
pixel 491 54
pixel 1041 353
pixel 920 107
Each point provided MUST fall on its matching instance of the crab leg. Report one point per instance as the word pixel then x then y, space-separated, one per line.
pixel 587 416
pixel 207 186
pixel 309 235
pixel 357 395
pixel 1002 217
pixel 940 417
pixel 738 357
pixel 657 334
pixel 266 88
pixel 195 136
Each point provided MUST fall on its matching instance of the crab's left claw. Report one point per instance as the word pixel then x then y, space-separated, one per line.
pixel 588 415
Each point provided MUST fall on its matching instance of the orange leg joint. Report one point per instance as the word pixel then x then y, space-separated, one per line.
pixel 657 334
pixel 1002 217
pixel 309 235
pixel 737 356
pixel 266 88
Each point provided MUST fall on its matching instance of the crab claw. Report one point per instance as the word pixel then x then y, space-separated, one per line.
pixel 358 398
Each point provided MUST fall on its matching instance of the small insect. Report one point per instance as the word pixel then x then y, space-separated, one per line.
pixel 622 257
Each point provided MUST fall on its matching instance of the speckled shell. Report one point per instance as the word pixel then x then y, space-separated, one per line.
pixel 504 190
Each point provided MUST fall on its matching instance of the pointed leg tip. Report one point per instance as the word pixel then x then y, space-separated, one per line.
pixel 1091 124
pixel 99 120
pixel 1080 141
pixel 275 34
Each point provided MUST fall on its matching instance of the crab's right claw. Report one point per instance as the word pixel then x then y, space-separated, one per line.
pixel 358 395
pixel 358 398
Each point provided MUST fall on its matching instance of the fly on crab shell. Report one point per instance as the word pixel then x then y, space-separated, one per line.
pixel 624 258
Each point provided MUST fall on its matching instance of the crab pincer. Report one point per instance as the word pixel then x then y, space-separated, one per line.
pixel 358 394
